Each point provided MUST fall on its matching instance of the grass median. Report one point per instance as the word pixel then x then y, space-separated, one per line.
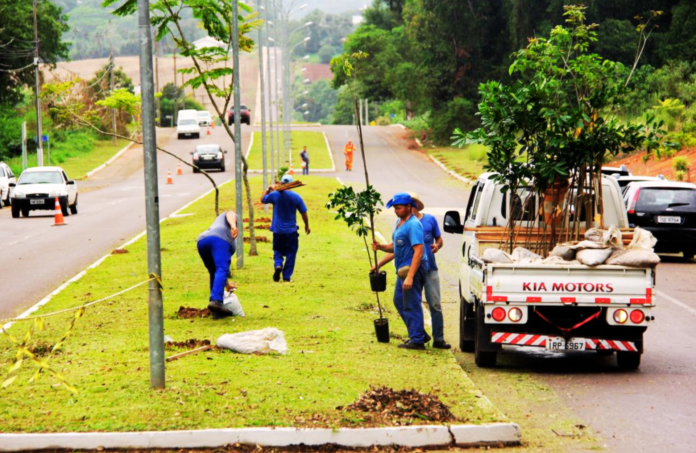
pixel 319 157
pixel 326 315
pixel 467 161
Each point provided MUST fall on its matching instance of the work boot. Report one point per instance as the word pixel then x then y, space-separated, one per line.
pixel 409 345
pixel 427 338
pixel 441 345
pixel 276 274
pixel 217 308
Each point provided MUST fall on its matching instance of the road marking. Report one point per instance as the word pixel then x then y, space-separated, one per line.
pixel 677 302
pixel 339 181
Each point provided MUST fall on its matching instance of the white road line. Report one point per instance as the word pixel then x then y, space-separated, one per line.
pixel 339 181
pixel 676 302
pixel 333 164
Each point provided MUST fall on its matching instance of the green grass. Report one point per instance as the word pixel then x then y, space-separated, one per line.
pixel 325 315
pixel 467 161
pixel 78 155
pixel 316 145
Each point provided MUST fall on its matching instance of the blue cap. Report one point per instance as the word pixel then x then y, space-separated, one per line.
pixel 401 198
pixel 286 179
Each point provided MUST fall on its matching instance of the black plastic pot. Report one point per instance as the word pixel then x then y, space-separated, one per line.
pixel 378 281
pixel 382 330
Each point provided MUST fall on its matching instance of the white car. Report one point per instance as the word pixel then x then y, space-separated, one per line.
pixel 6 177
pixel 38 188
pixel 188 127
pixel 204 118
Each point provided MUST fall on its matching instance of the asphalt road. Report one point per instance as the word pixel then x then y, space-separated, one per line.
pixel 35 257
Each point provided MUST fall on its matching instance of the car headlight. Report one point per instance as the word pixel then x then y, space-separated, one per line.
pixel 18 194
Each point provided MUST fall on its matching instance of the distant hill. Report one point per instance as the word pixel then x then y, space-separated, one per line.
pixel 334 6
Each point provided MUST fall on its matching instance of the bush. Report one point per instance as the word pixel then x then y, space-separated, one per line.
pixel 10 132
pixel 458 113
pixel 383 121
pixel 679 175
pixel 680 163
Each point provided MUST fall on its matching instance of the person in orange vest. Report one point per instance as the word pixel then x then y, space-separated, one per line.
pixel 348 151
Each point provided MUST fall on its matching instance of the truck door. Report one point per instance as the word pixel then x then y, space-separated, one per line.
pixel 469 239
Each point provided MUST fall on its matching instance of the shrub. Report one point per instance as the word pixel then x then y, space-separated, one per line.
pixel 680 163
pixel 383 121
pixel 679 175
pixel 459 112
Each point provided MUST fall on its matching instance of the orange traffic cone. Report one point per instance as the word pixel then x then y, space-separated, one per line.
pixel 212 124
pixel 59 221
pixel 179 172
pixel 291 171
pixel 169 177
pixel 208 133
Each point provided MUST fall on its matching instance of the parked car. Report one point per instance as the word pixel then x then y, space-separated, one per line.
pixel 624 181
pixel 38 187
pixel 245 115
pixel 668 210
pixel 209 156
pixel 621 171
pixel 6 177
pixel 204 118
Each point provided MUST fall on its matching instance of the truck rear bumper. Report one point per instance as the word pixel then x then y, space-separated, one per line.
pixel 524 339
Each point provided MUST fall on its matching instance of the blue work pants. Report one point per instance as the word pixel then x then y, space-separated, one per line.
pixel 408 304
pixel 217 257
pixel 285 246
pixel 432 296
pixel 305 170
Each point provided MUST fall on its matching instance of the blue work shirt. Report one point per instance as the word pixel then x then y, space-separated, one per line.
pixel 285 203
pixel 404 238
pixel 431 231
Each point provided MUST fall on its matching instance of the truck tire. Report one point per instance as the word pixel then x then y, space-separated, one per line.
pixel 628 360
pixel 467 327
pixel 483 359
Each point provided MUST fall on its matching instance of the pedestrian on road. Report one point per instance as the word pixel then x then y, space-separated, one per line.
pixel 216 245
pixel 305 160
pixel 432 242
pixel 284 228
pixel 348 150
pixel 406 249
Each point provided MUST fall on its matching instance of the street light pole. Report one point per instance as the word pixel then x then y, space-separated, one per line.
pixel 237 134
pixel 270 93
pixel 154 262
pixel 278 109
pixel 39 132
pixel 263 110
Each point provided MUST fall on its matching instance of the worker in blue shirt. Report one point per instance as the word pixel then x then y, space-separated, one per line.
pixel 284 228
pixel 406 249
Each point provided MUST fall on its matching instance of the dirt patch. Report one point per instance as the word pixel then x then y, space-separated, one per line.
pixel 192 343
pixel 382 404
pixel 188 313
pixel 258 239
pixel 655 166
pixel 260 220
pixel 119 252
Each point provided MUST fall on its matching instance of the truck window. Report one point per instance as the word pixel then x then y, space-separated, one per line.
pixel 472 195
pixel 477 199
pixel 523 205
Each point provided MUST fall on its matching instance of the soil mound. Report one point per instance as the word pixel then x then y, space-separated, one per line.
pixel 192 343
pixel 188 312
pixel 388 405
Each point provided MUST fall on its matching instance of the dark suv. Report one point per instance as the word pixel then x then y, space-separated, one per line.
pixel 245 115
pixel 668 210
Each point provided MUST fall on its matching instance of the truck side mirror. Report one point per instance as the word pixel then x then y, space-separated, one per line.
pixel 12 184
pixel 452 223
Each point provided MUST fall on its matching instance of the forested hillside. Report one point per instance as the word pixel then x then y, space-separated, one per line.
pixel 428 57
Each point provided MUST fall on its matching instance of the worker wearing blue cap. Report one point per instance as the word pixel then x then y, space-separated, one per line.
pixel 284 227
pixel 411 265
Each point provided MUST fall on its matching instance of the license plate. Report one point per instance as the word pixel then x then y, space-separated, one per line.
pixel 668 219
pixel 207 157
pixel 560 344
pixel 36 202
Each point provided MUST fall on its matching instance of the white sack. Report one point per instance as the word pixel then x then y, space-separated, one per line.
pixel 261 341
pixel 521 254
pixel 557 260
pixel 564 252
pixel 634 258
pixel 496 256
pixel 593 257
pixel 610 237
pixel 231 302
pixel 642 240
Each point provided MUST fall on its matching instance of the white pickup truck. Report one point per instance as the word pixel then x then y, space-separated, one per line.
pixel 561 307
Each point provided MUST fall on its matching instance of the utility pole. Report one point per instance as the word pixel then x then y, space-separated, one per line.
pixel 270 95
pixel 176 93
pixel 237 134
pixel 367 114
pixel 154 262
pixel 111 91
pixel 39 132
pixel 275 54
pixel 263 111
pixel 157 85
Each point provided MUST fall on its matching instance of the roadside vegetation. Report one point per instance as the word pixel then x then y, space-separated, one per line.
pixel 326 315
pixel 319 157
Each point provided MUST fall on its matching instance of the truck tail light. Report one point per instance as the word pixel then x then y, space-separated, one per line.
pixel 637 316
pixel 498 314
pixel 620 316
pixel 633 202
pixel 515 314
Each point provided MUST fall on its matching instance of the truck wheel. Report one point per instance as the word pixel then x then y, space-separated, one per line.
pixel 483 359
pixel 628 360
pixel 467 327
pixel 73 208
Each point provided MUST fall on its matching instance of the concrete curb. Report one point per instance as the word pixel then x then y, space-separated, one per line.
pixel 108 162
pixel 408 436
pixel 448 171
pixel 328 148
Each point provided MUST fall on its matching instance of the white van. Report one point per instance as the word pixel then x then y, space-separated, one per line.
pixel 204 118
pixel 187 124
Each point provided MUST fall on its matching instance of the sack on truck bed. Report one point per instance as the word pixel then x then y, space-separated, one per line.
pixel 496 256
pixel 633 258
pixel 593 257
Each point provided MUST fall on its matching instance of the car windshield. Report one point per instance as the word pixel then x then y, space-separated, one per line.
pixel 41 177
pixel 187 122
pixel 661 198
pixel 206 149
